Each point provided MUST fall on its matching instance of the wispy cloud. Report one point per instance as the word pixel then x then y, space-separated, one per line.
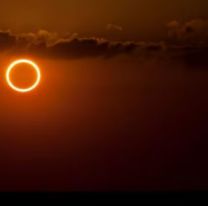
pixel 193 31
pixel 114 27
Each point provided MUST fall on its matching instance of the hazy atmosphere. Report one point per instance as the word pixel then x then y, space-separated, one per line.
pixel 122 102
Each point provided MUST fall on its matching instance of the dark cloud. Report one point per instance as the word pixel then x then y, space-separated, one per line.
pixel 7 40
pixel 50 44
pixel 186 43
pixel 89 47
pixel 44 43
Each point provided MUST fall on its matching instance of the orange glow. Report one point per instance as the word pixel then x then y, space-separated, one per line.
pixel 13 65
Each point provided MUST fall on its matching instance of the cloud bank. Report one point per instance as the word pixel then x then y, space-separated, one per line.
pixel 186 42
pixel 50 44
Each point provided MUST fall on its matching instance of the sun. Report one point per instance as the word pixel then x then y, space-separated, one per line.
pixel 30 63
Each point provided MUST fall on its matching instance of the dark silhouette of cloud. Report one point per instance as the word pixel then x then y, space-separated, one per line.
pixel 50 44
pixel 7 40
pixel 187 43
pixel 89 47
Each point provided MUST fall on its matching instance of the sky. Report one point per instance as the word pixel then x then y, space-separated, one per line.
pixel 122 102
pixel 139 19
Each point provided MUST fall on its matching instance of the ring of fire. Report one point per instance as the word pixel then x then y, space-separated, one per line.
pixel 23 61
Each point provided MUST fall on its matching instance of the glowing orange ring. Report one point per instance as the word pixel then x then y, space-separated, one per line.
pixel 12 66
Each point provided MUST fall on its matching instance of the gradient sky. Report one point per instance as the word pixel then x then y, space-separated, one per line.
pixel 107 115
pixel 140 19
